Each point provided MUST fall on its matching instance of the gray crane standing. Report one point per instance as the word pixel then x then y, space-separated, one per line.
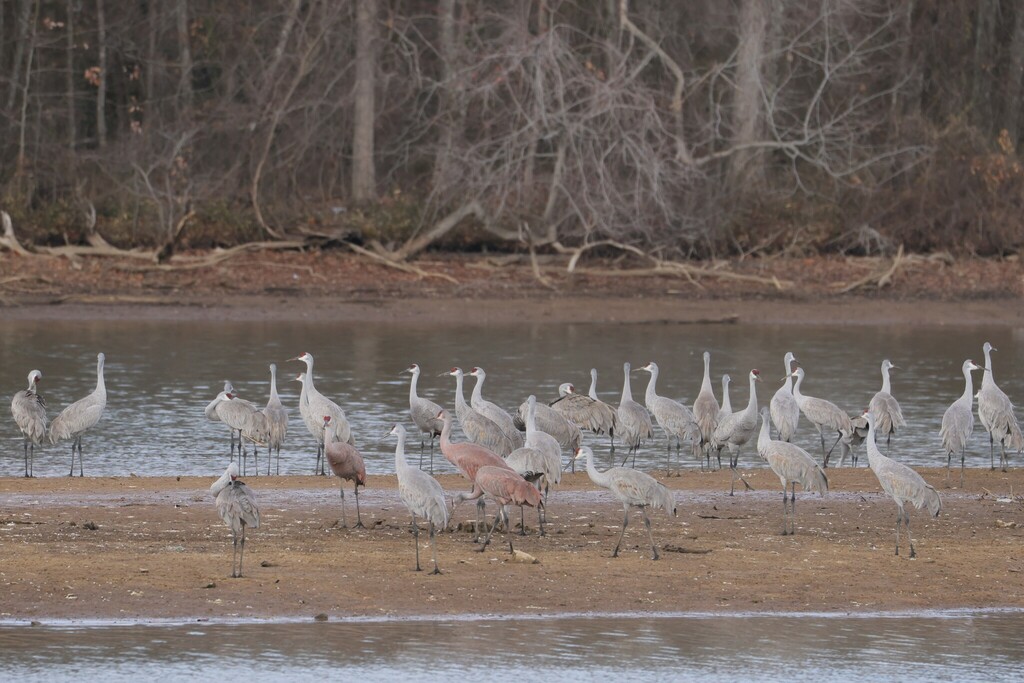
pixel 736 430
pixel 586 412
pixel 996 413
pixel 885 408
pixel 675 419
pixel 243 417
pixel 81 416
pixel 552 422
pixel 633 420
pixel 958 421
pixel 633 489
pixel 726 408
pixel 424 415
pixel 29 411
pixel 822 414
pixel 318 406
pixel 705 409
pixel 793 465
pixel 422 496
pixel 479 429
pixel 236 505
pixel 492 412
pixel 902 484
pixel 785 411
pixel 276 416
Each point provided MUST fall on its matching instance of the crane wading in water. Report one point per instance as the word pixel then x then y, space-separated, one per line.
pixel 29 411
pixel 236 505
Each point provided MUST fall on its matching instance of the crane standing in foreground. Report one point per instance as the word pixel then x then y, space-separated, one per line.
pixel 634 489
pixel 996 413
pixel 793 465
pixel 785 411
pixel 424 415
pixel 81 416
pixel 479 429
pixel 958 422
pixel 276 416
pixel 821 414
pixel 885 408
pixel 735 430
pixel 346 463
pixel 236 505
pixel 633 420
pixel 422 496
pixel 675 419
pixel 29 411
pixel 505 487
pixel 903 485
pixel 706 409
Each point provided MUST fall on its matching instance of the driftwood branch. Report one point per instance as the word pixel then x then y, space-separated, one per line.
pixel 404 267
pixel 883 277
pixel 190 263
pixel 9 240
pixel 441 228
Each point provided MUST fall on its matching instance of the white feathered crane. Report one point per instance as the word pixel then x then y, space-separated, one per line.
pixel 422 496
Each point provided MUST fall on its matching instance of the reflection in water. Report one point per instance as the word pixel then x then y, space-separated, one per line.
pixel 160 376
pixel 954 646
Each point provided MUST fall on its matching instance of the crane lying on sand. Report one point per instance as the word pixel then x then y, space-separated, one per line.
pixel 81 416
pixel 424 415
pixel 29 411
pixel 633 489
pixel 793 465
pixel 236 505
pixel 996 413
pixel 346 463
pixel 958 421
pixel 902 484
pixel 422 496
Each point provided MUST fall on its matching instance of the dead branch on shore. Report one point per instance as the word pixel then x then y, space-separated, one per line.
pixel 881 278
pixel 404 267
pixel 9 240
pixel 194 263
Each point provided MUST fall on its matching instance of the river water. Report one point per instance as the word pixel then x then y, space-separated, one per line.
pixel 160 376
pixel 956 646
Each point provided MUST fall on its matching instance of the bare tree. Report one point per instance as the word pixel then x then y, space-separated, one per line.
pixel 364 174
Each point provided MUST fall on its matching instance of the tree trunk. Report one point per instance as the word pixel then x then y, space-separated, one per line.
pixel 101 87
pixel 746 167
pixel 21 41
pixel 1011 117
pixel 984 62
pixel 364 177
pixel 185 61
pixel 70 46
pixel 152 71
pixel 446 98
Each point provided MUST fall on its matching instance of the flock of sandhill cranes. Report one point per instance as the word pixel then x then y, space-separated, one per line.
pixel 515 459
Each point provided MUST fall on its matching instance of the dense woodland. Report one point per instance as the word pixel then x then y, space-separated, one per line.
pixel 686 128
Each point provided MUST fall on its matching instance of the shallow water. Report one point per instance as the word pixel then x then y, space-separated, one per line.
pixel 160 376
pixel 923 647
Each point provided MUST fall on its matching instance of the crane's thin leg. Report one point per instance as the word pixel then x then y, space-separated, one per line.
pixel 80 456
pixel 433 548
pixel 481 519
pixel 27 469
pixel 1004 460
pixel 991 452
pixel 785 510
pixel 241 551
pixel 432 456
pixel 792 511
pixel 416 541
pixel 359 517
pixel 487 539
pixel 625 523
pixel 234 553
pixel 72 473
pixel 906 525
pixel 421 453
pixel 899 520
pixel 341 487
pixel 888 437
pixel 278 471
pixel 963 456
pixel 522 520
pixel 831 449
pixel 650 535
pixel 542 513
pixel 256 459
pixel 824 457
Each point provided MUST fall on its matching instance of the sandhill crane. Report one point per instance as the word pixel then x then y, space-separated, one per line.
pixel 246 419
pixel 424 415
pixel 478 429
pixel 422 496
pixel 903 485
pixel 821 414
pixel 211 412
pixel 81 416
pixel 467 458
pixel 634 489
pixel 531 465
pixel 726 408
pixel 29 411
pixel 545 446
pixel 236 505
pixel 706 409
pixel 996 413
pixel 505 487
pixel 550 421
pixel 736 430
pixel 793 465
pixel 493 412
pixel 346 463
pixel 885 408
pixel 785 411
pixel 276 416
pixel 316 430
pixel 958 421
pixel 586 412
pixel 675 419
pixel 319 406
pixel 592 393
pixel 633 420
